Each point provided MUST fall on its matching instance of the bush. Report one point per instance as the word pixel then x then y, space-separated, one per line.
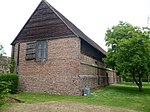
pixel 4 90
pixel 13 79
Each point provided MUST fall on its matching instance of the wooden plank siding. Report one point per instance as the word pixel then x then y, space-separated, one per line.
pixel 90 51
pixel 42 24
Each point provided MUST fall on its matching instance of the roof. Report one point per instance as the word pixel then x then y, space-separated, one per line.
pixel 70 25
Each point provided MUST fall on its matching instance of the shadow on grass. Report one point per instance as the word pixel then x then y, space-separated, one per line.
pixel 124 95
pixel 130 88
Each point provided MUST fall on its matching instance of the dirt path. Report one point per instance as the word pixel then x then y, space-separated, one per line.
pixel 62 107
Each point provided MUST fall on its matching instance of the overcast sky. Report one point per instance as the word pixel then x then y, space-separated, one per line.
pixel 93 17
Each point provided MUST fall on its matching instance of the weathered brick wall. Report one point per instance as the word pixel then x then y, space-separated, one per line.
pixel 57 75
pixel 94 75
pixel 91 75
pixel 66 70
pixel 91 70
pixel 112 77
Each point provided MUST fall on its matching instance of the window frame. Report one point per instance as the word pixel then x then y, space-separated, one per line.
pixel 44 49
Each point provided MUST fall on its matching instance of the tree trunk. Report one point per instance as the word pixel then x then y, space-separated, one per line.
pixel 148 78
pixel 140 88
pixel 138 84
pixel 135 80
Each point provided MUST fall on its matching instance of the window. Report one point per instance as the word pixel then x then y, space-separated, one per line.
pixel 41 50
pixel 36 50
pixel 30 50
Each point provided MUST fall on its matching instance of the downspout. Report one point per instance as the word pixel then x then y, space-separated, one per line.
pixel 17 63
pixel 12 58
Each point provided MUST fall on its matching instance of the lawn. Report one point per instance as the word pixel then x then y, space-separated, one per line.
pixel 124 95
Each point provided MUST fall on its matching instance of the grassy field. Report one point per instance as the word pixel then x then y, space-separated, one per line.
pixel 123 95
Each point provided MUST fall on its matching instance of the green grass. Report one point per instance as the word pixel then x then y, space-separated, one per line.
pixel 123 95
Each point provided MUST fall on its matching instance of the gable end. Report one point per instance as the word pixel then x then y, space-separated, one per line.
pixel 44 23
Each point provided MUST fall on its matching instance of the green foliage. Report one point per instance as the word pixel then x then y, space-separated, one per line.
pixel 13 78
pixel 122 95
pixel 1 50
pixel 12 66
pixel 4 90
pixel 129 51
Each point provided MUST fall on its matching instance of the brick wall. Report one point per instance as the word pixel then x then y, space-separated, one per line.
pixel 57 75
pixel 92 72
pixel 112 77
pixel 66 70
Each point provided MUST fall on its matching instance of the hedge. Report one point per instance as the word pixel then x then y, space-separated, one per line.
pixel 10 78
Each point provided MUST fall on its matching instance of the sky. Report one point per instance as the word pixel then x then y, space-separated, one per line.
pixel 93 17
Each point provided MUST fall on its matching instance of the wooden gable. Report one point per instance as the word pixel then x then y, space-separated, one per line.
pixel 44 23
pixel 47 23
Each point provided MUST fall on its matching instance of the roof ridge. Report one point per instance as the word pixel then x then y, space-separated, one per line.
pixel 56 12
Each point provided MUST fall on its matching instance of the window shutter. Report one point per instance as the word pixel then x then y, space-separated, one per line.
pixel 30 50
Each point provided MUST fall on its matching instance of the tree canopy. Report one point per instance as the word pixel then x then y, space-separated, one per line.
pixel 129 50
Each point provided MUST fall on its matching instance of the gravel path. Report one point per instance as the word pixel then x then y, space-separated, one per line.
pixel 61 107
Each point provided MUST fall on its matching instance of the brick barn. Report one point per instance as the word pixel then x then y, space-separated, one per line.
pixel 53 56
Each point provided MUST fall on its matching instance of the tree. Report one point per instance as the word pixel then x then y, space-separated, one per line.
pixel 129 50
pixel 1 51
pixel 3 85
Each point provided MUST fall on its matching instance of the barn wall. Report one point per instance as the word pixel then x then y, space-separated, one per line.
pixel 92 68
pixel 57 75
pixel 92 74
pixel 113 77
pixel 67 70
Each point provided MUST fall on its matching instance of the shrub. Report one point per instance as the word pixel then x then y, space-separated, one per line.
pixel 4 90
pixel 13 78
